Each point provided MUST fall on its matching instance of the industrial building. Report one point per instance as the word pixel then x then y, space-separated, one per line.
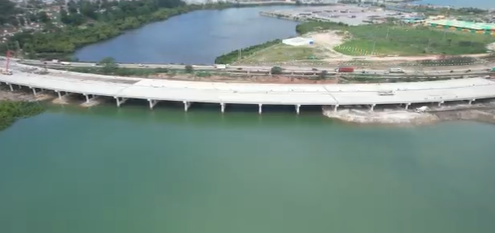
pixel 457 25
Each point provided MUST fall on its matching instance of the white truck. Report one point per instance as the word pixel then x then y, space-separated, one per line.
pixel 66 63
pixel 220 66
pixel 395 70
pixel 386 93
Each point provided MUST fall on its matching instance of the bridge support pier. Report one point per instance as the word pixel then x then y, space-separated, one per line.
pixel 440 103
pixel 119 100
pixel 34 91
pixel 186 105
pixel 298 106
pixel 260 108
pixel 60 96
pixel 407 106
pixel 152 103
pixel 471 101
pixel 372 107
pixel 11 87
pixel 89 97
pixel 222 107
pixel 335 108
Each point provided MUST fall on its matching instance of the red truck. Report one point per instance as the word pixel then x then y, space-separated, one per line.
pixel 344 69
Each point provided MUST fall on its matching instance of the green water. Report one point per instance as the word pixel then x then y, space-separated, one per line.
pixel 133 170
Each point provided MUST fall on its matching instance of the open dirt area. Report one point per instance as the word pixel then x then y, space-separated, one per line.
pixel 322 52
pixel 319 52
pixel 329 40
pixel 491 47
pixel 480 112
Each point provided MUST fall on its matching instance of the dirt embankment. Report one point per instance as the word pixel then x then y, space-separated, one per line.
pixel 480 113
pixel 6 94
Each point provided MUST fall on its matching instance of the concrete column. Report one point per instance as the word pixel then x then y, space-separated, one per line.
pixel 186 105
pixel 19 86
pixel 120 101
pixel 297 108
pixel 260 108
pixel 87 98
pixel 407 106
pixel 335 108
pixel 440 103
pixel 152 103
pixel 372 107
pixel 222 107
pixel 11 87
pixel 471 101
pixel 34 91
pixel 59 95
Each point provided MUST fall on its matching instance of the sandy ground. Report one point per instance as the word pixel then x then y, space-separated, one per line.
pixel 329 40
pixel 481 112
pixel 491 47
pixel 400 117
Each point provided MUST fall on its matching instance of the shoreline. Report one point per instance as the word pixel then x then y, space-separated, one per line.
pixel 481 112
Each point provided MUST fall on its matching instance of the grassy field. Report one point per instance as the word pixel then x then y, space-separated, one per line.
pixel 284 53
pixel 402 40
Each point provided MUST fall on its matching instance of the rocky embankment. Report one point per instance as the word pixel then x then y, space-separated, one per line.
pixel 482 112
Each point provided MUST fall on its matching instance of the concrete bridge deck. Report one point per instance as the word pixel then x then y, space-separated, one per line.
pixel 153 90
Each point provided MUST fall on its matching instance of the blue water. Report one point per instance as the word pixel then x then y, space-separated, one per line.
pixel 194 38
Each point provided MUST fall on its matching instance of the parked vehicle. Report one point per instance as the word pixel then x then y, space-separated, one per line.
pixel 344 69
pixel 386 93
pixel 395 70
pixel 55 61
pixel 220 66
pixel 65 63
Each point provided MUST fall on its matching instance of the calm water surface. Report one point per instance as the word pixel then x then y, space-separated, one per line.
pixel 132 170
pixel 194 38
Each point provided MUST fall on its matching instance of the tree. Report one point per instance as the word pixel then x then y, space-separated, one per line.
pixel 276 70
pixel 189 68
pixel 323 74
pixel 7 9
pixel 109 65
pixel 43 17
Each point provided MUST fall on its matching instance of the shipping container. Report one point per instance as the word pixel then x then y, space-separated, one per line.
pixel 345 69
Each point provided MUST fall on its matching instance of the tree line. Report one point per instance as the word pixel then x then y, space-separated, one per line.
pixel 233 56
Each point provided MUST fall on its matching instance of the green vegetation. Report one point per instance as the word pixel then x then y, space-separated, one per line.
pixel 7 11
pixel 126 72
pixel 276 70
pixel 88 22
pixel 189 69
pixel 10 111
pixel 233 56
pixel 281 53
pixel 387 39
